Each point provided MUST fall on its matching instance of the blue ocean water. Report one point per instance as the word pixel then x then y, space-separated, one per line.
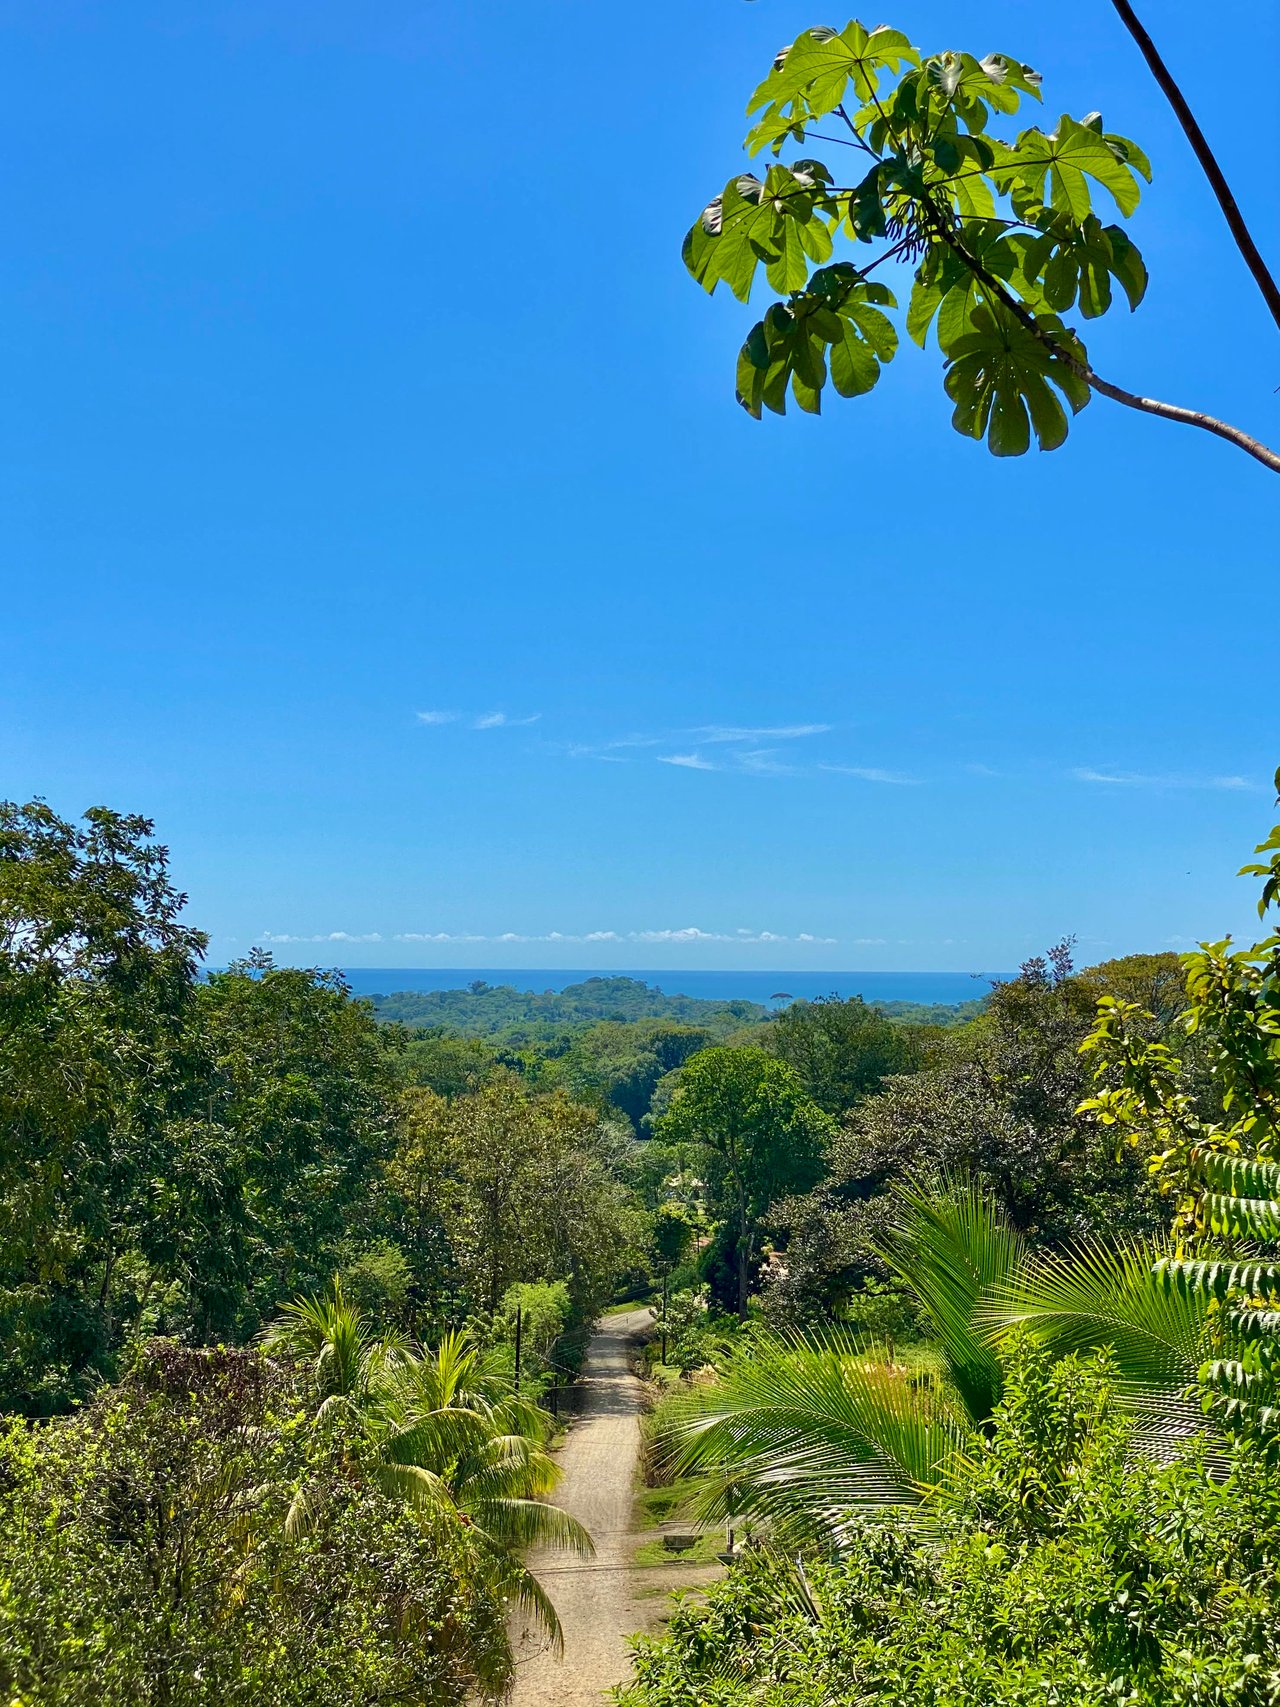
pixel 764 987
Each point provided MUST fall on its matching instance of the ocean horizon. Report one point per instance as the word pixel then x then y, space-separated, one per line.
pixel 950 988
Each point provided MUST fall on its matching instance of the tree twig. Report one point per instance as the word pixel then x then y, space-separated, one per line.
pixel 1205 155
pixel 1190 418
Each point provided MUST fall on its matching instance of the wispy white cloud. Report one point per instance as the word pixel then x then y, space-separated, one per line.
pixel 872 773
pixel 747 749
pixel 483 720
pixel 746 737
pixel 1142 779
pixel 500 720
pixel 762 761
pixel 687 761
pixel 722 732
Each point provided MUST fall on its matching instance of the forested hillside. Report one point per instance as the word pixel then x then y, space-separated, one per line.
pixel 516 1016
pixel 285 1290
pixel 620 1042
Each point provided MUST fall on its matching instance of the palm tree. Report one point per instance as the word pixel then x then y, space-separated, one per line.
pixel 446 1433
pixel 806 1429
pixel 1170 1320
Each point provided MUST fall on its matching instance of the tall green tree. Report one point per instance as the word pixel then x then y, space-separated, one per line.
pixel 97 993
pixel 761 1138
pixel 843 1050
pixel 178 1156
pixel 508 1185
pixel 303 1085
pixel 1001 234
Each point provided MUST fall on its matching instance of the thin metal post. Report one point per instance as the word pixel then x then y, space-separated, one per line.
pixel 664 1315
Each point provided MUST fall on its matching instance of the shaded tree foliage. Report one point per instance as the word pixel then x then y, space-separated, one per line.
pixel 97 994
pixel 179 1157
pixel 842 1050
pixel 508 1185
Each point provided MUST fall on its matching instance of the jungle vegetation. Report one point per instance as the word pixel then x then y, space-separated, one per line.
pixel 979 1315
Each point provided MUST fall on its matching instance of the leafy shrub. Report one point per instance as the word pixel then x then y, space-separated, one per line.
pixel 147 1558
pixel 696 1335
pixel 1063 1569
pixel 545 1314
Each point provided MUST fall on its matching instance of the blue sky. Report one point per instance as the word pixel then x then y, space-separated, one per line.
pixel 378 518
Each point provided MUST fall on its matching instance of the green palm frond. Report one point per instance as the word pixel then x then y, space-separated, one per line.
pixel 416 1486
pixel 440 1438
pixel 349 1359
pixel 804 1432
pixel 522 1523
pixel 951 1248
pixel 527 1595
pixel 509 1464
pixel 446 1434
pixel 304 1509
pixel 1097 1296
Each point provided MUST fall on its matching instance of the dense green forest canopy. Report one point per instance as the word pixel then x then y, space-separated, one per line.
pixel 620 1042
pixel 500 1011
pixel 286 1289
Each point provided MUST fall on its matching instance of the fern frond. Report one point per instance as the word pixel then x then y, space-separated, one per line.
pixel 1218 1278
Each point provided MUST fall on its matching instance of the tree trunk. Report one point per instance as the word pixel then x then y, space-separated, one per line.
pixel 743 1259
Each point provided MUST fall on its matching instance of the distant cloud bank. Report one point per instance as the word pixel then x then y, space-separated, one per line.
pixel 681 934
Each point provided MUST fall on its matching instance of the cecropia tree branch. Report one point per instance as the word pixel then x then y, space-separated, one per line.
pixel 1117 393
pixel 1189 417
pixel 1205 155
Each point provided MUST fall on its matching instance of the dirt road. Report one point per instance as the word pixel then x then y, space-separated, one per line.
pixel 594 1597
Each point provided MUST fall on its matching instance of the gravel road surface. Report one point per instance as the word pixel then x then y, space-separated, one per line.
pixel 594 1597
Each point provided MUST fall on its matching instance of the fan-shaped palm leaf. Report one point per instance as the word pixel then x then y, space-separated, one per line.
pixel 1098 1297
pixel 803 1432
pixel 951 1247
